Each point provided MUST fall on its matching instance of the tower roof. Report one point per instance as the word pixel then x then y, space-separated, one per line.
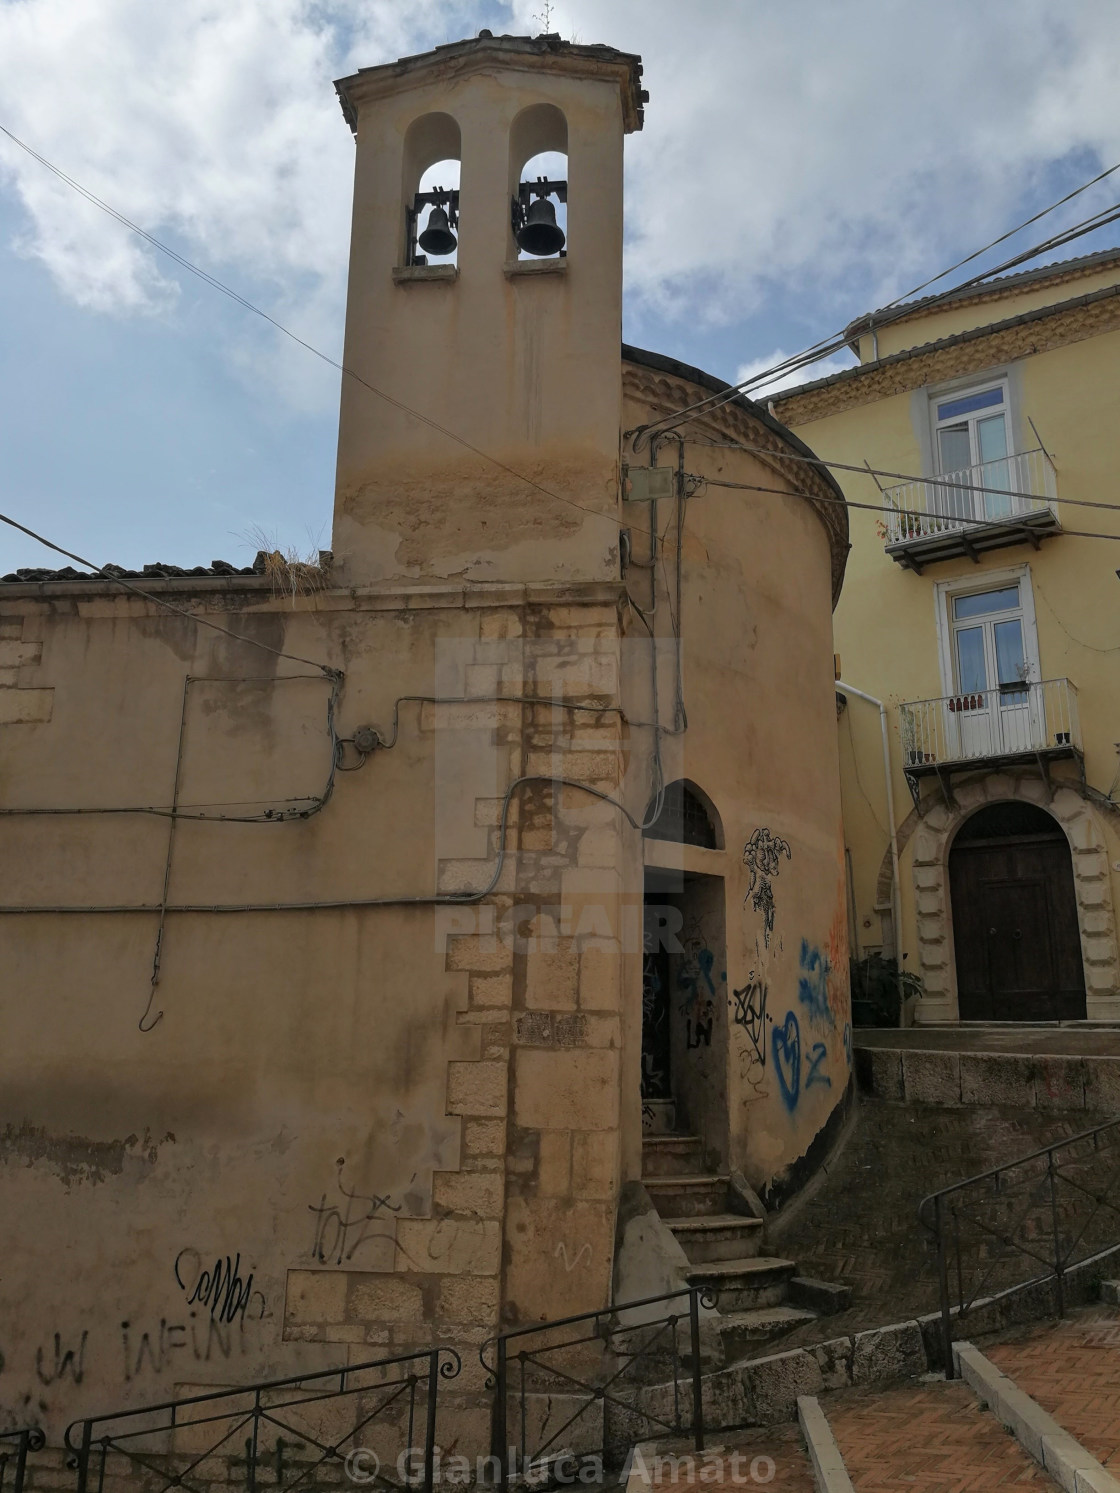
pixel 546 53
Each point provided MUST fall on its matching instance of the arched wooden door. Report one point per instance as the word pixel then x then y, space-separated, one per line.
pixel 1015 926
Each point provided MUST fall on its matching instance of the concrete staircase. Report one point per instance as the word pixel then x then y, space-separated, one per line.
pixel 759 1296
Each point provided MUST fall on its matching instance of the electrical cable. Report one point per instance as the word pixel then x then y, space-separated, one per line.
pixel 248 305
pixel 313 803
pixel 158 601
pixel 838 340
pixel 1011 232
pixel 786 492
pixel 1091 647
pixel 439 899
pixel 948 480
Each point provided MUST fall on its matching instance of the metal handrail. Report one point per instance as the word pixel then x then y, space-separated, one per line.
pixel 1046 718
pixel 28 1439
pixel 947 502
pixel 604 1322
pixel 249 1407
pixel 936 1210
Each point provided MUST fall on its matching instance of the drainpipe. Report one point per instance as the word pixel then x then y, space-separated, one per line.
pixel 896 885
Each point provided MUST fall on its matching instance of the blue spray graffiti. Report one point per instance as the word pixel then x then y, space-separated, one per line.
pixel 785 1043
pixel 812 987
pixel 695 975
pixel 813 1074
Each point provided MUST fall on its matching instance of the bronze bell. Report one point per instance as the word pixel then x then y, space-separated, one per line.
pixel 437 238
pixel 540 233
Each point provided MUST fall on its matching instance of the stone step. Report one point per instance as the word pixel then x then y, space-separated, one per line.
pixel 672 1155
pixel 688 1197
pixel 720 1236
pixel 742 1333
pixel 745 1284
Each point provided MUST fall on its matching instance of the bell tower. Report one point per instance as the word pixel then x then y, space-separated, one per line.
pixel 487 315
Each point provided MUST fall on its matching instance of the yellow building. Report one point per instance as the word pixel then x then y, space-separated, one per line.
pixel 359 928
pixel 982 608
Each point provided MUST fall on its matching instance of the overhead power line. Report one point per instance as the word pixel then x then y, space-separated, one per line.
pixel 170 606
pixel 256 310
pixel 835 343
pixel 785 492
pixel 811 355
pixel 949 480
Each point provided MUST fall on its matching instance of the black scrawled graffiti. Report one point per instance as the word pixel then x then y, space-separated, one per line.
pixel 342 1229
pixel 762 856
pixel 221 1290
pixel 749 1012
pixel 52 1366
pixel 696 983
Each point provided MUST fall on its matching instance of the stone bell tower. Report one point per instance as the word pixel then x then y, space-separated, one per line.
pixel 508 469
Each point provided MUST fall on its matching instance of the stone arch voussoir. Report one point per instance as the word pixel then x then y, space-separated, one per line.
pixel 932 834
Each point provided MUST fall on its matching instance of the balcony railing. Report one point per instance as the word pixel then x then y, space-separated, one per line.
pixel 1009 721
pixel 985 501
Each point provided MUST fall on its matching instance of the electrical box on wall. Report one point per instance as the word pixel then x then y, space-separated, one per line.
pixel 647 484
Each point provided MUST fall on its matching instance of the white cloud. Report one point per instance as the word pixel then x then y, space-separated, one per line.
pixel 839 150
pixel 844 147
pixel 214 126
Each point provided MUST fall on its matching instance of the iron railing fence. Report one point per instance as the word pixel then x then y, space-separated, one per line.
pixel 377 1419
pixel 992 492
pixel 1057 1207
pixel 1013 718
pixel 591 1386
pixel 15 1447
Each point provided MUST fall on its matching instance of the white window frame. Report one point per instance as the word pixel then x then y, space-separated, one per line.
pixel 965 391
pixel 987 580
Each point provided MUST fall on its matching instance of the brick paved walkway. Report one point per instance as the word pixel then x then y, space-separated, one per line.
pixel 927 1438
pixel 1072 1369
pixel 775 1453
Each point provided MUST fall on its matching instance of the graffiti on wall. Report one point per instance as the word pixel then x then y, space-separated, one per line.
pixel 812 985
pixel 748 1012
pixel 221 1290
pixel 762 856
pixel 797 1065
pixel 354 1219
pixel 69 1361
pixel 813 1074
pixel 697 986
pixel 785 1042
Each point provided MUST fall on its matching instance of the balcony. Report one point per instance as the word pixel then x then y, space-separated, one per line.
pixel 1008 726
pixel 978 508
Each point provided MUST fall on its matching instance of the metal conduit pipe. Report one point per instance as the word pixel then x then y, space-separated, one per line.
pixel 896 885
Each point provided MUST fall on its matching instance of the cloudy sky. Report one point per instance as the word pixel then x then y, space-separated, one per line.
pixel 801 163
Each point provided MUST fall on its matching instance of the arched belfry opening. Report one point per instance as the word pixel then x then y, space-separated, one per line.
pixel 432 152
pixel 538 160
pixel 686 816
pixel 1015 928
pixel 684 971
pixel 471 318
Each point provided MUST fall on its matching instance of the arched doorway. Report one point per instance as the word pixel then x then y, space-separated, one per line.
pixel 1015 928
pixel 684 974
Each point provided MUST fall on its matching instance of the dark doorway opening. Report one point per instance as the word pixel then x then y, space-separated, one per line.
pixel 1018 944
pixel 684 1008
